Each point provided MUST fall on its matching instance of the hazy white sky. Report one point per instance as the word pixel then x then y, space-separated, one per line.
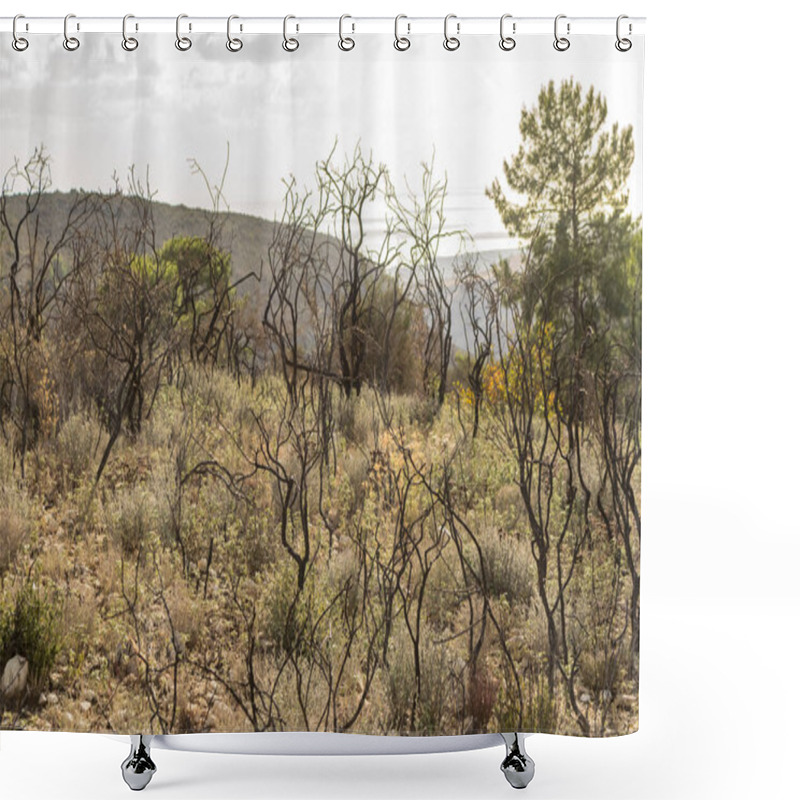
pixel 101 109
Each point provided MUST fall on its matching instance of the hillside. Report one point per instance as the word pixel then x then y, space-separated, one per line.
pixel 245 236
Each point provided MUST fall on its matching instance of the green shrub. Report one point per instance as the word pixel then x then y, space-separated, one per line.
pixel 508 566
pixel 600 672
pixel 509 507
pixel 137 511
pixel 353 488
pixel 481 697
pixel 358 420
pixel 15 524
pixel 423 411
pixel 401 685
pixel 444 593
pixel 538 710
pixel 75 447
pixel 13 530
pixel 6 461
pixel 258 547
pixel 437 689
pixel 288 615
pixel 30 627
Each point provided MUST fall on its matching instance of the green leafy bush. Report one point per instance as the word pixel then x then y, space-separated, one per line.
pixel 508 566
pixel 75 447
pixel 15 524
pixel 539 708
pixel 30 627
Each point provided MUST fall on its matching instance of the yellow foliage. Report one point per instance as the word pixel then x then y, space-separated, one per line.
pixel 520 376
pixel 46 398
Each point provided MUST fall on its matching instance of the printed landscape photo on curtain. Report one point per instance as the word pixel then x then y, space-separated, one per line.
pixel 320 386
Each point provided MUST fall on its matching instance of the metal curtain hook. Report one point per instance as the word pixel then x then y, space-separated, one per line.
pixel 19 43
pixel 561 43
pixel 401 42
pixel 346 42
pixel 623 45
pixel 451 42
pixel 183 43
pixel 128 42
pixel 70 42
pixel 233 44
pixel 290 44
pixel 507 42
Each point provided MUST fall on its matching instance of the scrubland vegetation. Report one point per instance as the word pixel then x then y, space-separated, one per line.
pixel 285 495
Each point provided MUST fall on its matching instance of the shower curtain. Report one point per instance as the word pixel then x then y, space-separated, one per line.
pixel 320 381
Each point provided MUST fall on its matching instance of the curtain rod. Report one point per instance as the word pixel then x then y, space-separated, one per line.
pixel 462 26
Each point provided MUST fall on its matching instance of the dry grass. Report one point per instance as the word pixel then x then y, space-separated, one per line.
pixel 16 523
pixel 211 560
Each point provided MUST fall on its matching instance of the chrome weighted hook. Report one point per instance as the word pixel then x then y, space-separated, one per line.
pixel 19 43
pixel 71 43
pixel 346 43
pixel 561 43
pixel 507 42
pixel 290 44
pixel 451 42
pixel 128 42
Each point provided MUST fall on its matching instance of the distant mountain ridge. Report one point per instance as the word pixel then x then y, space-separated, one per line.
pixel 246 237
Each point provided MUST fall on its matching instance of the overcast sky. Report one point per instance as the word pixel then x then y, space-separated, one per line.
pixel 101 109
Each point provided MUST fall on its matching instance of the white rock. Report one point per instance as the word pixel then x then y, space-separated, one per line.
pixel 15 677
pixel 86 706
pixel 52 699
pixel 585 698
